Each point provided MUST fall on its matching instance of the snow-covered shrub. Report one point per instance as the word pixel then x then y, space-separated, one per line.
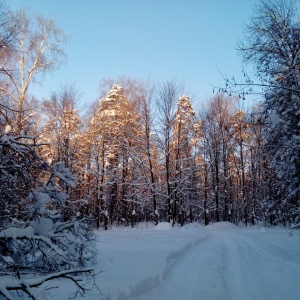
pixel 36 235
pixel 19 165
pixel 44 246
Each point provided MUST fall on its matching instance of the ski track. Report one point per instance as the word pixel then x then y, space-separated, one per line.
pixel 228 265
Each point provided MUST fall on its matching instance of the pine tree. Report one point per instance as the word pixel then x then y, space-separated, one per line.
pixel 113 130
pixel 186 133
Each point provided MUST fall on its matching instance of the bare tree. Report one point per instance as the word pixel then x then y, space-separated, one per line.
pixel 146 111
pixel 38 49
pixel 167 96
pixel 61 126
pixel 61 137
pixel 8 32
pixel 219 152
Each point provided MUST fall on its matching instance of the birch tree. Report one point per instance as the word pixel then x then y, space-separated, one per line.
pixel 219 152
pixel 38 50
pixel 145 152
pixel 8 32
pixel 166 102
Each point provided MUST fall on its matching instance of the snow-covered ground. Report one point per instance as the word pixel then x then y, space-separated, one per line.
pixel 220 261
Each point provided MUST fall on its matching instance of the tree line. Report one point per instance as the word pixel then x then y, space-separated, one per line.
pixel 143 152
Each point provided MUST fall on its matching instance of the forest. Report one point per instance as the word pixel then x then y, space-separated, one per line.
pixel 143 152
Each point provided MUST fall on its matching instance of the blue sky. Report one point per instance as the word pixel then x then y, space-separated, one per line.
pixel 186 40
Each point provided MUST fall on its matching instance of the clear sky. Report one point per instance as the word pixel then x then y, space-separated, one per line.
pixel 186 40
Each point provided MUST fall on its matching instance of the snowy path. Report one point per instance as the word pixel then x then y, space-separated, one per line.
pixel 231 265
pixel 200 271
pixel 217 262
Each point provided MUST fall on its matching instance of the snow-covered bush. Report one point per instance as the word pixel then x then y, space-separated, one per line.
pixel 43 246
pixel 19 165
pixel 36 235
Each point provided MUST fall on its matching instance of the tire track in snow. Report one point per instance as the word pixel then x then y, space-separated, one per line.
pixel 200 270
pixel 273 251
pixel 155 281
pixel 228 265
pixel 257 272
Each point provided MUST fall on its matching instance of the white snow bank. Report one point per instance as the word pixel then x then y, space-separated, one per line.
pixel 221 225
pixel 164 226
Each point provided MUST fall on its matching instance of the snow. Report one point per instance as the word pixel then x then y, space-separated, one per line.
pixel 275 119
pixel 219 261
pixel 163 226
pixel 14 232
pixel 42 226
pixel 7 129
pixel 7 259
